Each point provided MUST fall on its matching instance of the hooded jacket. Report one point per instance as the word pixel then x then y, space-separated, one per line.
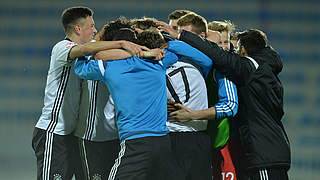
pixel 263 139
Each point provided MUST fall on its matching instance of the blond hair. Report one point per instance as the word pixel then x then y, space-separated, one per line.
pixel 198 23
pixel 221 26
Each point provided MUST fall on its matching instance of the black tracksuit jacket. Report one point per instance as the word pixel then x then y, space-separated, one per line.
pixel 263 139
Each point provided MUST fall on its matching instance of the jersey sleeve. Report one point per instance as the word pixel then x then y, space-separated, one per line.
pixel 62 49
pixel 169 59
pixel 89 69
pixel 227 105
pixel 184 49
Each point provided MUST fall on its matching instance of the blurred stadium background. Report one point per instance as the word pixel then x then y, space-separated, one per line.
pixel 30 28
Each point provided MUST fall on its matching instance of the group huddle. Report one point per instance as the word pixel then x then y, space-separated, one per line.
pixel 142 99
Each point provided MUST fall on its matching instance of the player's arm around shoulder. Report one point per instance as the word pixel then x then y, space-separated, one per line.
pixel 113 54
pixel 91 48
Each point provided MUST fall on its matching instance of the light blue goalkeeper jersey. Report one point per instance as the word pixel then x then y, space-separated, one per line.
pixel 138 88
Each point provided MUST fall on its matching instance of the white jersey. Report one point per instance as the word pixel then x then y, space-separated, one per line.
pixel 97 113
pixel 62 92
pixel 186 85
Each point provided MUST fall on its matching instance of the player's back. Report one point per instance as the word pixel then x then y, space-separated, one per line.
pixel 186 85
pixel 96 115
pixel 138 89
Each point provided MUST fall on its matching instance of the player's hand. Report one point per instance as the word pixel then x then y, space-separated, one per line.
pixel 164 46
pixel 171 106
pixel 156 54
pixel 132 48
pixel 182 115
pixel 162 26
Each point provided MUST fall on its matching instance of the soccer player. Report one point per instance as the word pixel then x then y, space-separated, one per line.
pixel 54 145
pixel 96 130
pixel 264 144
pixel 189 89
pixel 185 84
pixel 226 152
pixel 214 36
pixel 225 28
pixel 138 89
pixel 175 15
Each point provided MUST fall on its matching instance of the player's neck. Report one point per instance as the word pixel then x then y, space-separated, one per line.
pixel 74 38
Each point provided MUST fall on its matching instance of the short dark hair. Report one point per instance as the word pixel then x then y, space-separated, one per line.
pixel 72 15
pixel 178 14
pixel 112 28
pixel 151 39
pixel 144 23
pixel 126 34
pixel 253 40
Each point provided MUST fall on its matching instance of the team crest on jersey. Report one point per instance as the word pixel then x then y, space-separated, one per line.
pixel 97 177
pixel 57 177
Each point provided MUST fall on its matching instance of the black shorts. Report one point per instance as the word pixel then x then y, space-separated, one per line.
pixel 98 157
pixel 192 151
pixel 147 158
pixel 279 173
pixel 56 155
